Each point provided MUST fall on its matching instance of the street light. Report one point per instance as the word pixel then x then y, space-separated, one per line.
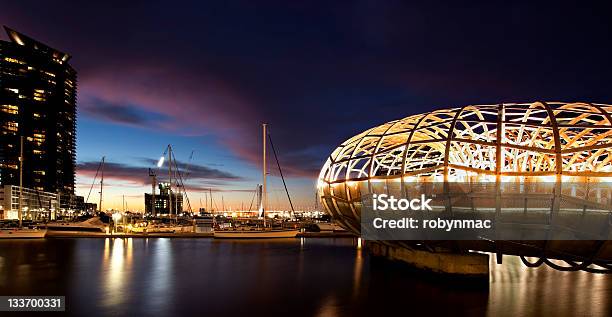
pixel 161 161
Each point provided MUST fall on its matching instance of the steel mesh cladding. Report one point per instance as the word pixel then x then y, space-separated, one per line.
pixel 532 142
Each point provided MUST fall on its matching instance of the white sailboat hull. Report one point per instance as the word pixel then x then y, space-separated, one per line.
pixel 255 234
pixel 89 225
pixel 22 233
pixel 169 229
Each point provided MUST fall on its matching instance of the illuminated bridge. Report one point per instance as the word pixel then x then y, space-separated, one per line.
pixel 545 167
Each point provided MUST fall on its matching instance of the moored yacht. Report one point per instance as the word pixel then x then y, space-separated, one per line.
pixel 258 232
pixel 93 224
pixel 22 233
pixel 261 233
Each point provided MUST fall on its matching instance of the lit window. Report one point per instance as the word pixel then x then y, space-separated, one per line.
pixel 39 95
pixel 11 126
pixel 13 60
pixel 10 109
pixel 37 138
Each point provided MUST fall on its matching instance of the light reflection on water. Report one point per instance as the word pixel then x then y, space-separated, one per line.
pixel 117 268
pixel 160 280
pixel 544 291
pixel 357 270
pixel 306 277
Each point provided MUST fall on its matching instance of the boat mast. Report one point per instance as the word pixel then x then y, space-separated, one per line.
pixel 19 212
pixel 101 183
pixel 169 181
pixel 264 193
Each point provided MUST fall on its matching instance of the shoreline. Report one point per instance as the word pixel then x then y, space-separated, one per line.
pixel 66 234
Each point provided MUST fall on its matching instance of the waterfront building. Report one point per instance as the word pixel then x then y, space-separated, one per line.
pixel 37 102
pixel 36 204
pixel 71 202
pixel 163 200
pixel 90 207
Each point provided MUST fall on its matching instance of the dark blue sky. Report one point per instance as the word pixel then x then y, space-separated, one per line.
pixel 203 75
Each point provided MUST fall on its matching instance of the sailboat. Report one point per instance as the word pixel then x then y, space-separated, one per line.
pixel 263 232
pixel 21 232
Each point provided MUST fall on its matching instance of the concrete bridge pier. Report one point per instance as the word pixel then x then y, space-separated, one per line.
pixel 464 265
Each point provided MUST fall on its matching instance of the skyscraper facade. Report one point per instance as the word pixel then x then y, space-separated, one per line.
pixel 37 102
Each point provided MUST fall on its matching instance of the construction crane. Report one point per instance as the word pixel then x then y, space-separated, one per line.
pixel 180 183
pixel 153 175
pixel 178 178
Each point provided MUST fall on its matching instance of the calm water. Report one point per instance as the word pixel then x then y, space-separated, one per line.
pixel 297 277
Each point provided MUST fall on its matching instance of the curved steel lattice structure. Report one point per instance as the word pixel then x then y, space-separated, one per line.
pixel 536 139
pixel 540 141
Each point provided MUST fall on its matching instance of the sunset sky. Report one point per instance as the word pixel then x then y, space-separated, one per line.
pixel 203 76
